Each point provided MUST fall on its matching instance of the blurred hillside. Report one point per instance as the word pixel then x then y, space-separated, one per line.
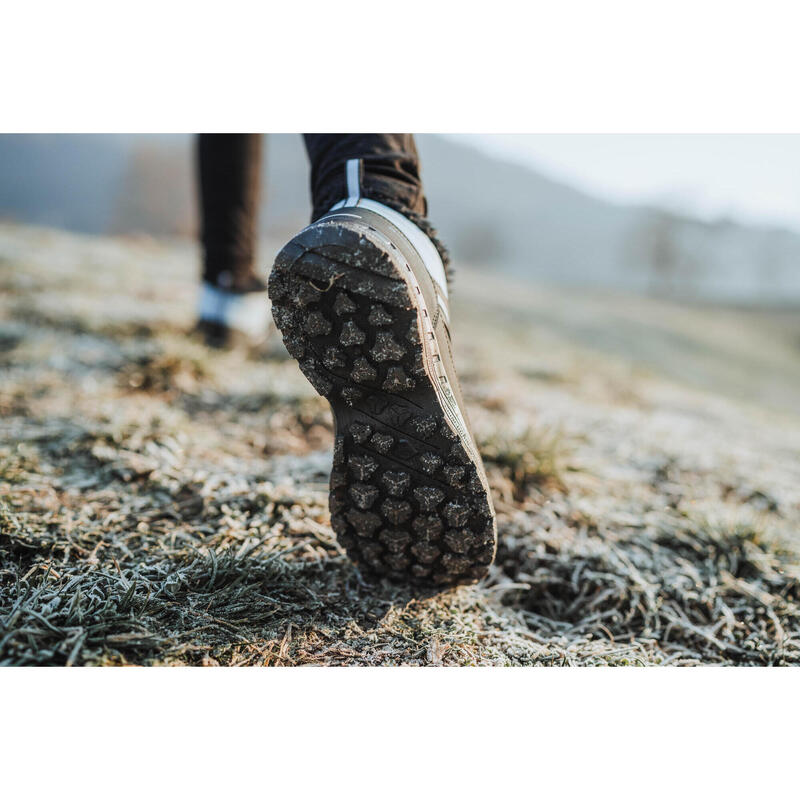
pixel 493 214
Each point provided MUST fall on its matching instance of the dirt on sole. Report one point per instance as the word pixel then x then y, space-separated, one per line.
pixel 407 496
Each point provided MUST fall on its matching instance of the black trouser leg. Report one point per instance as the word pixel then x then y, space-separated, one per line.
pixel 390 169
pixel 229 180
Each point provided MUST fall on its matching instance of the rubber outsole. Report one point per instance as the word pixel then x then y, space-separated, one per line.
pixel 406 498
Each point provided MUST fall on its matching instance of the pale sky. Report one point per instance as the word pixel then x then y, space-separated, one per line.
pixel 751 178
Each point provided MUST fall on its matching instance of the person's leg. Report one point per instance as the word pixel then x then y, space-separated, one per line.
pixel 229 167
pixel 229 172
pixel 361 299
pixel 389 173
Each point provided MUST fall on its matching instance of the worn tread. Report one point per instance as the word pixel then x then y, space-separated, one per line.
pixel 406 500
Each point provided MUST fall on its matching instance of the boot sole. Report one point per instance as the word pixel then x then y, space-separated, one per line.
pixel 408 497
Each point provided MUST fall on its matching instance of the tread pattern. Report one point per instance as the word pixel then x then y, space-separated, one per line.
pixel 406 500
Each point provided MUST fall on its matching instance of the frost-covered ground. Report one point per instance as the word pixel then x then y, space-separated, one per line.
pixel 163 503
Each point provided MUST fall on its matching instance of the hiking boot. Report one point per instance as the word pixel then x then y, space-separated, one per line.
pixel 360 297
pixel 231 319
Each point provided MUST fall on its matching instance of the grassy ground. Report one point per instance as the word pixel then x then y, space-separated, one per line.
pixel 163 504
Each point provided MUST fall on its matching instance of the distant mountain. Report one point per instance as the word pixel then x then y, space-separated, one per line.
pixel 496 215
pixel 515 219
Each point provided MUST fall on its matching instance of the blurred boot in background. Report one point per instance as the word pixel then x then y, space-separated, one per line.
pixel 233 302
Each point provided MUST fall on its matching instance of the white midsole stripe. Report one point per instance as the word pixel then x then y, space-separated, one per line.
pixel 352 171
